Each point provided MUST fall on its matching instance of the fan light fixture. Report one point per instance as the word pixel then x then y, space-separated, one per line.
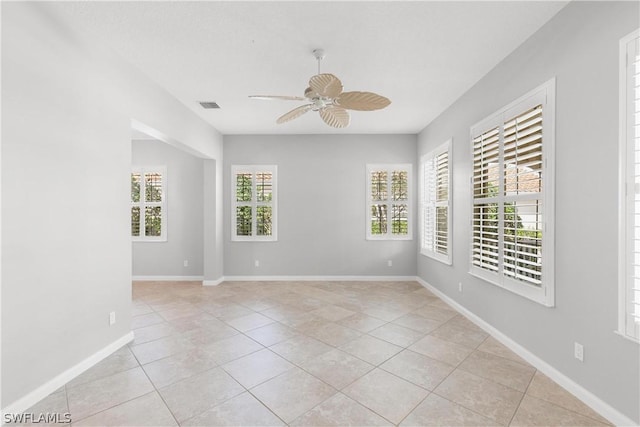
pixel 325 96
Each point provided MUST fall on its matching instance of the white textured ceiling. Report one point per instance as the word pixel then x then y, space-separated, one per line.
pixel 421 55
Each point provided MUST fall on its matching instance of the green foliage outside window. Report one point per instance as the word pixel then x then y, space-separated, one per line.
pixel 152 214
pixel 264 213
pixel 399 212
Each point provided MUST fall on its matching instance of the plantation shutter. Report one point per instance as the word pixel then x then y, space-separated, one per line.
pixel 434 204
pixel 148 203
pixel 512 186
pixel 429 205
pixel 388 202
pixel 441 163
pixel 632 202
pixel 486 166
pixel 507 186
pixel 522 210
pixel 254 204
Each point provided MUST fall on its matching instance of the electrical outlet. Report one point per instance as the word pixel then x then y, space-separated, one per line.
pixel 256 263
pixel 186 263
pixel 459 286
pixel 112 318
pixel 390 263
pixel 578 351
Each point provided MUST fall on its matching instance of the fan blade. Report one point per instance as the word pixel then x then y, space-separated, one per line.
pixel 326 85
pixel 337 117
pixel 363 101
pixel 271 97
pixel 310 93
pixel 295 113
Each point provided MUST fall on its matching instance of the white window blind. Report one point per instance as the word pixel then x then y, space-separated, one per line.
pixel 629 277
pixel 254 203
pixel 435 204
pixel 389 202
pixel 149 203
pixel 512 185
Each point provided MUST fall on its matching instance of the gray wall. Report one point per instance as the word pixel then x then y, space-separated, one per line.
pixel 67 110
pixel 580 47
pixel 212 221
pixel 185 211
pixel 320 232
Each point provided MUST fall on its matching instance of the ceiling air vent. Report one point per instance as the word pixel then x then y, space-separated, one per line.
pixel 209 105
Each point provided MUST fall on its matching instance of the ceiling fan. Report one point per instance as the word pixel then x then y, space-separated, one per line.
pixel 325 96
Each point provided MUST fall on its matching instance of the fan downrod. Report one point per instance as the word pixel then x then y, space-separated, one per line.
pixel 319 54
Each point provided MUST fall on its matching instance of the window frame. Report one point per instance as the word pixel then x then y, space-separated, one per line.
pixel 389 167
pixel 627 328
pixel 545 293
pixel 425 203
pixel 253 170
pixel 142 170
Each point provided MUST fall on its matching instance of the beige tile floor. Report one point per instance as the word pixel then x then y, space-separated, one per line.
pixel 310 354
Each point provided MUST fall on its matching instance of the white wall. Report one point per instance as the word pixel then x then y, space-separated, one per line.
pixel 67 106
pixel 185 211
pixel 321 206
pixel 580 48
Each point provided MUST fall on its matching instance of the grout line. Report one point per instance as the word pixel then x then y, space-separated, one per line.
pixel 522 397
pixel 156 389
pixel 414 408
pixel 66 396
pixel 468 409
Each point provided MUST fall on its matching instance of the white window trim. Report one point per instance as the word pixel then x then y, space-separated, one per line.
pixel 253 169
pixel 390 167
pixel 446 259
pixel 626 186
pixel 142 170
pixel 545 94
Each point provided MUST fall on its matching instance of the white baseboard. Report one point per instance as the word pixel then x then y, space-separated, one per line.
pixel 168 278
pixel 212 282
pixel 319 278
pixel 49 387
pixel 594 402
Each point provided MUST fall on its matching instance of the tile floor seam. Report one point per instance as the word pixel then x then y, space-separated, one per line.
pixel 522 398
pixel 469 409
pixel 371 409
pixel 268 409
pixel 378 365
pixel 414 408
pixel 112 406
pixel 156 390
pixel 320 403
pixel 493 382
pixel 222 401
pixel 268 379
pixel 66 396
pixel 462 368
pixel 213 406
pixel 501 357
pixel 130 343
pixel 567 409
pixel 330 385
pixel 458 403
pixel 403 379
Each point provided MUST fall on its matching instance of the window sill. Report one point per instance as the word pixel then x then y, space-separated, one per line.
pixel 253 240
pixel 437 257
pixel 383 238
pixel 530 292
pixel 159 240
pixel 626 337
